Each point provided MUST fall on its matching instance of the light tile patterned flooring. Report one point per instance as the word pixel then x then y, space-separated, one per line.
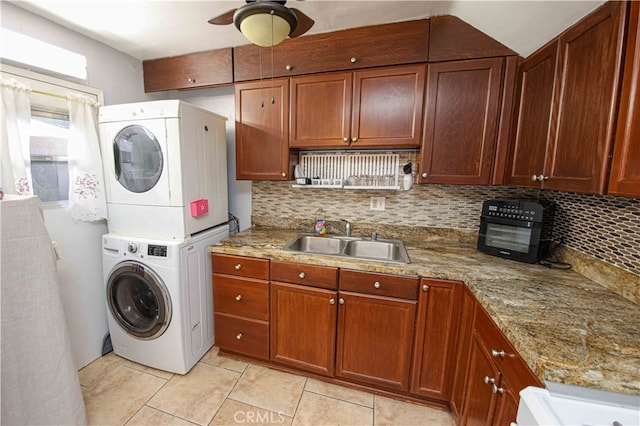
pixel 224 391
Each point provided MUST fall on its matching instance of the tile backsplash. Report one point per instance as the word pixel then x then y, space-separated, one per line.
pixel 605 227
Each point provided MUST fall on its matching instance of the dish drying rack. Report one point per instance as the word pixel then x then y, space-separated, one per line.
pixel 349 170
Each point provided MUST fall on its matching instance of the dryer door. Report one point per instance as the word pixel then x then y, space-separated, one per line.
pixel 138 300
pixel 136 162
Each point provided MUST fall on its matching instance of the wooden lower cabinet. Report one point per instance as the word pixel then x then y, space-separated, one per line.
pixel 303 327
pixel 436 338
pixel 495 376
pixel 375 337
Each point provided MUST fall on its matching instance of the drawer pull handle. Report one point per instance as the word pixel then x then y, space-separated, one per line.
pixel 332 301
pixel 496 353
pixel 238 267
pixel 376 284
pixel 496 389
pixel 239 297
pixel 425 288
pixel 341 301
pixel 488 380
pixel 353 59
pixel 239 336
pixel 301 275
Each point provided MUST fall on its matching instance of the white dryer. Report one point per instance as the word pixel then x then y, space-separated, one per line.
pixel 165 166
pixel 160 298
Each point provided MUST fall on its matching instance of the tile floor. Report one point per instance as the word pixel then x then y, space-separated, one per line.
pixel 224 391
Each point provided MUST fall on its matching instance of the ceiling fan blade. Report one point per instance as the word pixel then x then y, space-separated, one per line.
pixel 224 19
pixel 304 23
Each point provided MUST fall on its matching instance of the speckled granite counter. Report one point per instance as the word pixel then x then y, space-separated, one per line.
pixel 568 328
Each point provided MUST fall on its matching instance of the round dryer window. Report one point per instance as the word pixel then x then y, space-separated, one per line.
pixel 139 300
pixel 137 158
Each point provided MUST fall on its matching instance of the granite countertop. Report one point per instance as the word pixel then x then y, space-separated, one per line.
pixel 567 328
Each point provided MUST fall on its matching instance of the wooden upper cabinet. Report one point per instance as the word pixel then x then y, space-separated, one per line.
pixel 364 47
pixel 585 102
pixel 533 119
pixel 191 71
pixel 625 169
pixel 450 39
pixel 380 107
pixel 461 121
pixel 262 131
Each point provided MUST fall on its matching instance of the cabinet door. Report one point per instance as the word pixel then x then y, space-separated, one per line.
pixel 192 71
pixel 533 120
pixel 625 169
pixel 480 400
pixel 321 110
pixel 387 107
pixel 434 351
pixel 462 358
pixel 262 131
pixel 461 121
pixel 590 54
pixel 303 327
pixel 507 406
pixel 375 336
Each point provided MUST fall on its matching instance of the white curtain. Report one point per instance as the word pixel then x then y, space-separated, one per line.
pixel 15 119
pixel 86 181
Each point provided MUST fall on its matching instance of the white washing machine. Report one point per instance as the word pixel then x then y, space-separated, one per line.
pixel 165 165
pixel 160 298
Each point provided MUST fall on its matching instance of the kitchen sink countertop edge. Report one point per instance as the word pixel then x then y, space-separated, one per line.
pixel 568 328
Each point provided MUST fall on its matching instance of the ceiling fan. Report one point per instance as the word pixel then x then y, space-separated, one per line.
pixel 266 22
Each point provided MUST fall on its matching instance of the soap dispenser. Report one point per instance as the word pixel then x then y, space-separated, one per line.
pixel 320 227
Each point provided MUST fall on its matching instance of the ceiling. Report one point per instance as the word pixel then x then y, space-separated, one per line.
pixel 147 29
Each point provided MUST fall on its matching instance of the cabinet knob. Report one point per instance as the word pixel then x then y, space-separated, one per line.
pixel 354 139
pixel 488 379
pixel 239 336
pixel 238 267
pixel 301 275
pixel 496 389
pixel 424 175
pixel 497 353
pixel 353 59
pixel 539 178
pixel 341 301
pixel 345 139
pixel 425 288
pixel 283 174
pixel 288 67
pixel 332 301
pixel 191 80
pixel 376 284
pixel 239 297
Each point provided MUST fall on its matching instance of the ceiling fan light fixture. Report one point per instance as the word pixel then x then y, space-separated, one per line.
pixel 265 25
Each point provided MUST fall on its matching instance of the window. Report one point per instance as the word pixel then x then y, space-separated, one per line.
pixel 48 145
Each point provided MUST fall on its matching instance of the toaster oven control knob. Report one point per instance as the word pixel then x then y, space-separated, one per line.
pixel 132 248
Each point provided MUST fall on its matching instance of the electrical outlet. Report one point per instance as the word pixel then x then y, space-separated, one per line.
pixel 377 203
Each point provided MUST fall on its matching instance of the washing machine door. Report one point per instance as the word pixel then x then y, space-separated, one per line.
pixel 139 300
pixel 138 159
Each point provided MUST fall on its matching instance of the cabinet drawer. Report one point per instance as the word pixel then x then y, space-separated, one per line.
pixel 241 296
pixel 242 335
pixel 403 287
pixel 298 273
pixel 241 266
pixel 503 353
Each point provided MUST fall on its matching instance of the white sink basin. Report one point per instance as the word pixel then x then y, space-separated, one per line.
pixel 572 405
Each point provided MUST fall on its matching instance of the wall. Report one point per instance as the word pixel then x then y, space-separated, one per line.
pixel 607 228
pixel 80 270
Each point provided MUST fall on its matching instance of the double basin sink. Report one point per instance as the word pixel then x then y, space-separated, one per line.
pixel 350 247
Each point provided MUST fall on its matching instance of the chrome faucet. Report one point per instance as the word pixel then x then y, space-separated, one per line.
pixel 346 229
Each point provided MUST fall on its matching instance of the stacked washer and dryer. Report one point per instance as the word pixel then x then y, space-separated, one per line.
pixel 165 167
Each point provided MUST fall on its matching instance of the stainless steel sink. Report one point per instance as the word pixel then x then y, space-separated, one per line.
pixel 350 247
